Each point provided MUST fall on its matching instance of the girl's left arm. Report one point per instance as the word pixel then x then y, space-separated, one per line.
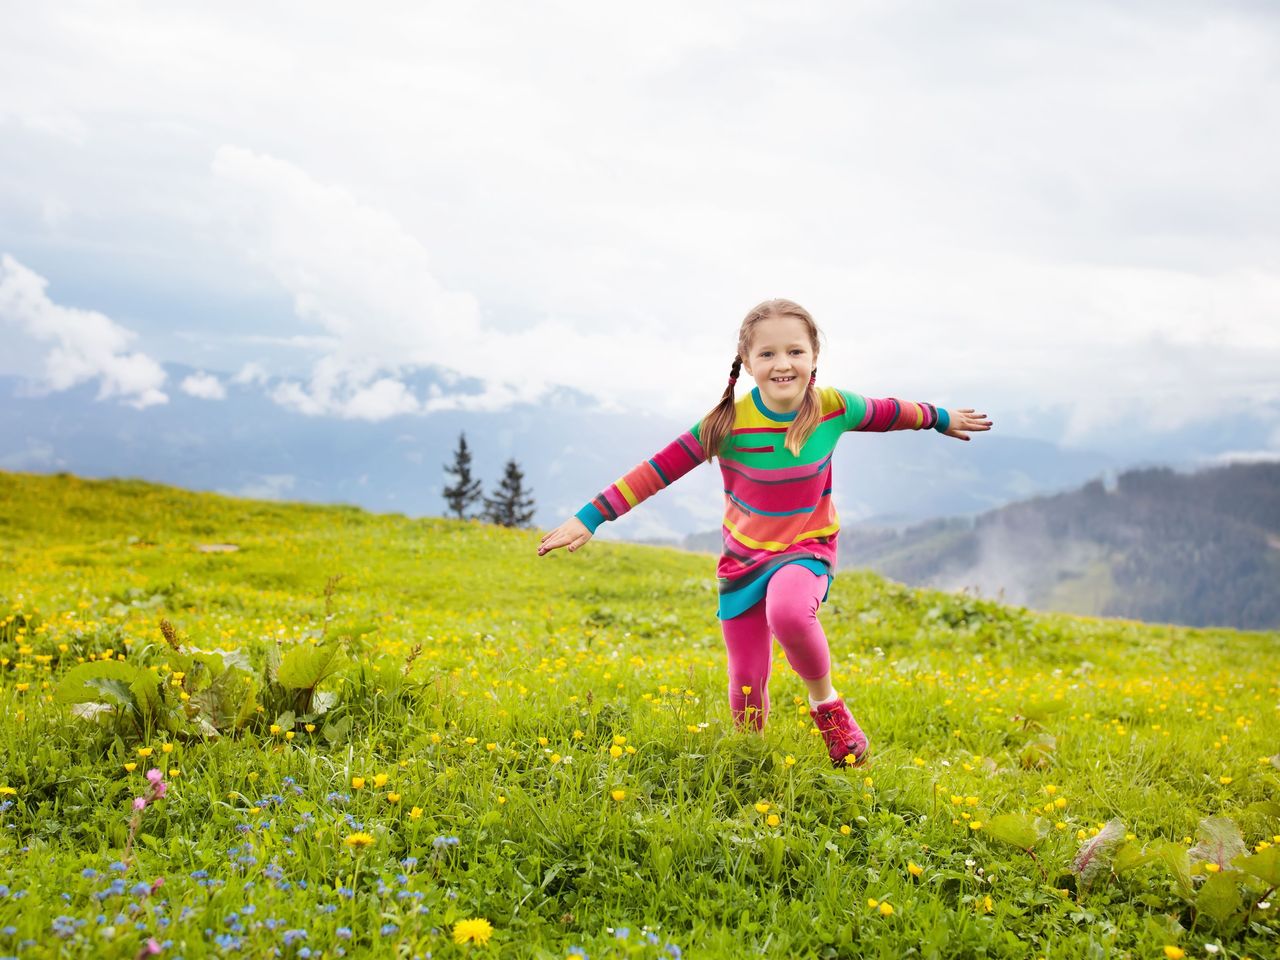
pixel 883 415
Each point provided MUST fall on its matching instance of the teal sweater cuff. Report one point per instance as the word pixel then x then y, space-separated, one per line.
pixel 944 420
pixel 590 516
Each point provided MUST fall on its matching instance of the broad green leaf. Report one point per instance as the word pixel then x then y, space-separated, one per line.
pixel 304 666
pixel 1219 898
pixel 146 690
pixel 1175 858
pixel 1268 808
pixel 101 680
pixel 1096 854
pixel 1039 751
pixel 1220 842
pixel 1039 711
pixel 1019 829
pixel 1264 865
pixel 1131 855
pixel 335 733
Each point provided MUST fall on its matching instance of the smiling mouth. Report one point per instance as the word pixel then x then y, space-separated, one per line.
pixel 782 379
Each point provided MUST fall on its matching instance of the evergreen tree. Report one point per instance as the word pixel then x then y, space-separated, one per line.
pixel 512 506
pixel 465 492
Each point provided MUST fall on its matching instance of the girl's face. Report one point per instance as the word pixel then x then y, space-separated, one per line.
pixel 780 359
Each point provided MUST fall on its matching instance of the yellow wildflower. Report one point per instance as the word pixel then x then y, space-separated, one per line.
pixel 379 781
pixel 789 760
pixel 144 751
pixel 358 841
pixel 773 820
pixel 393 798
pixel 130 767
pixel 762 806
pixel 166 748
pixel 615 752
pixel 845 829
pixel 1174 953
pixel 914 869
pixel 886 909
pixel 415 813
pixel 477 930
pixel 618 795
pixel 357 783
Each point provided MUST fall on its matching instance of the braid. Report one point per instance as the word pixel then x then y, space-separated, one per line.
pixel 715 427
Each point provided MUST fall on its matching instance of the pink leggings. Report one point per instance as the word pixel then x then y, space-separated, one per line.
pixel 789 611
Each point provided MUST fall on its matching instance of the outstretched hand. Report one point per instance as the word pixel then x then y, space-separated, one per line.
pixel 965 419
pixel 573 533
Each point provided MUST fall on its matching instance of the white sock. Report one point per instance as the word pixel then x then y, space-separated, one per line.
pixel 815 704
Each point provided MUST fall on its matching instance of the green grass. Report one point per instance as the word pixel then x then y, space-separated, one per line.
pixel 456 636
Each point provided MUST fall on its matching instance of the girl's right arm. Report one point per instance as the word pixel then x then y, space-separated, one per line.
pixel 639 483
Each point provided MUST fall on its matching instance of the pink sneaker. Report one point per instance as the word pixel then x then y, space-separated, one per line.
pixel 841 732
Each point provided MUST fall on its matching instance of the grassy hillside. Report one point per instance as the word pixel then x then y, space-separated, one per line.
pixel 418 732
pixel 1199 549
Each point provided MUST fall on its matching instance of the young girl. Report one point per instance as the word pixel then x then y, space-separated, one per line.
pixel 780 525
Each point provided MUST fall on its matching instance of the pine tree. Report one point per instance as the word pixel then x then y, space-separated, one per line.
pixel 512 505
pixel 466 491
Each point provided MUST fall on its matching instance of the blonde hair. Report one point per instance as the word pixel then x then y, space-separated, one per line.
pixel 718 423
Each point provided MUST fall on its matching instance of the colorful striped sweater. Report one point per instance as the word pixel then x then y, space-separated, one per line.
pixel 777 507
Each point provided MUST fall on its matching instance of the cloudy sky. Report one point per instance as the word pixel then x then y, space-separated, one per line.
pixel 1065 208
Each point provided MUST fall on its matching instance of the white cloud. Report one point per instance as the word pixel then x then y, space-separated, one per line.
pixel 251 372
pixel 204 385
pixel 368 284
pixel 87 344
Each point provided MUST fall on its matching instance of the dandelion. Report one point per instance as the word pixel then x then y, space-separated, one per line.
pixel 357 783
pixel 166 748
pixel 618 795
pixel 619 740
pixel 886 909
pixel 144 751
pixel 872 902
pixel 845 829
pixel 556 758
pixel 615 751
pixel 415 813
pixel 543 741
pixel 986 905
pixel 393 798
pixel 379 780
pixel 130 767
pixel 773 820
pixel 789 760
pixel 975 824
pixel 358 841
pixel 1174 953
pixel 275 729
pixel 762 806
pixel 471 741
pixel 477 930
pixel 914 869
pixel 1224 780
